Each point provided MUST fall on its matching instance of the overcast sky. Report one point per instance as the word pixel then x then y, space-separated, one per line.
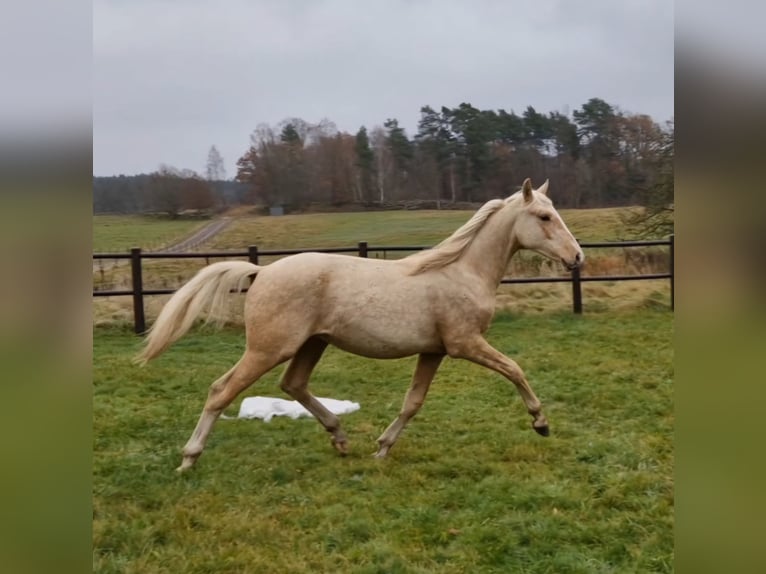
pixel 173 77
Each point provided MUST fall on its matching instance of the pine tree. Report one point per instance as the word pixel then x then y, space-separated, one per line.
pixel 364 163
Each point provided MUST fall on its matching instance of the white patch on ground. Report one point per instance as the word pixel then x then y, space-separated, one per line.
pixel 266 408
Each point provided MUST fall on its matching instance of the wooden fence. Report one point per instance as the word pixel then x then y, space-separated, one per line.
pixel 136 256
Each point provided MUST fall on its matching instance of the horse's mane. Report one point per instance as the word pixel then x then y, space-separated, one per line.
pixel 451 248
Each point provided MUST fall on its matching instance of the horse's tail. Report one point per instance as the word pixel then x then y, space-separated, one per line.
pixel 210 289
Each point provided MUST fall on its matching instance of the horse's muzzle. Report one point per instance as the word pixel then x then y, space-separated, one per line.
pixel 578 261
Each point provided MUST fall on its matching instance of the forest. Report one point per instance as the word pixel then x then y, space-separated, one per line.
pixel 597 156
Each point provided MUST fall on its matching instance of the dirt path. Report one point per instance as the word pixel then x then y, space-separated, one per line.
pixel 202 236
pixel 197 239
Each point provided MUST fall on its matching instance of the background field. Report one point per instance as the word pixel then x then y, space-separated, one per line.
pixel 468 488
pixel 394 228
pixel 118 233
pixel 421 227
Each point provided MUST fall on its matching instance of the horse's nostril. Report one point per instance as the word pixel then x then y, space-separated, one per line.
pixel 577 258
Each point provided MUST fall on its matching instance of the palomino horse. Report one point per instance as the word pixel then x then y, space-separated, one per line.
pixel 433 303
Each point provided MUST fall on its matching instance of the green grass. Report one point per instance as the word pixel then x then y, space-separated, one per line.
pixel 469 487
pixel 118 233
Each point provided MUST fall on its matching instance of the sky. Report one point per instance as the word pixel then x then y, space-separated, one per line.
pixel 171 78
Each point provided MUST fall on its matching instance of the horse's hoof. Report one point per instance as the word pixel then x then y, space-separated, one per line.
pixel 188 461
pixel 341 446
pixel 542 431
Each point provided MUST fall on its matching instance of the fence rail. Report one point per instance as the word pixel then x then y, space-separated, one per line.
pixel 362 249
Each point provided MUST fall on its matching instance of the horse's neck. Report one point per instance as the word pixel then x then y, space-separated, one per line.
pixel 492 248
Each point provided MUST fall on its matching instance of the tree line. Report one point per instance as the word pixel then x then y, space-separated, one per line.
pixel 598 157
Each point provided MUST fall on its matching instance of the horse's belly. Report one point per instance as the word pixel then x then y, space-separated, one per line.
pixel 379 349
pixel 381 343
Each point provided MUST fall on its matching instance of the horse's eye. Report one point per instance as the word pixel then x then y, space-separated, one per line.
pixel 545 217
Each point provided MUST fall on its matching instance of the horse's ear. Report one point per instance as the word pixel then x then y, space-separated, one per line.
pixel 543 188
pixel 526 189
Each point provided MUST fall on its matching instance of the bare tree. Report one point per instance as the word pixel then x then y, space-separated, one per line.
pixel 215 169
pixel 173 190
pixel 384 161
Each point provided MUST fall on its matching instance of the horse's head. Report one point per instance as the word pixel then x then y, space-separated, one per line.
pixel 540 228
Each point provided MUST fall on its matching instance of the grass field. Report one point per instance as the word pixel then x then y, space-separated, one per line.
pixel 422 227
pixel 118 233
pixel 469 487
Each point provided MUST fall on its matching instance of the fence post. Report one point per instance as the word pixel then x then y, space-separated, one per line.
pixel 362 249
pixel 139 320
pixel 672 270
pixel 252 253
pixel 576 291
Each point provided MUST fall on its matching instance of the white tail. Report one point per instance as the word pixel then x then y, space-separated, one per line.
pixel 209 288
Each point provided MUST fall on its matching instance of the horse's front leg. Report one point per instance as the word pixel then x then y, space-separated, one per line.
pixel 413 400
pixel 479 351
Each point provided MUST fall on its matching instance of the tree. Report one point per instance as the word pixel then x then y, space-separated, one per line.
pixel 166 191
pixel 365 159
pixel 401 153
pixel 537 128
pixel 656 219
pixel 293 166
pixel 174 190
pixel 215 170
pixel 597 157
pixel 598 133
pixel 384 162
pixel 510 128
pixel 259 166
pixel 564 134
pixel 474 130
pixel 215 173
pixel 437 143
pixel 594 120
pixel 290 136
pixel 335 169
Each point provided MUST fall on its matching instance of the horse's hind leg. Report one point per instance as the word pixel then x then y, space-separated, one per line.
pixel 295 383
pixel 413 400
pixel 222 392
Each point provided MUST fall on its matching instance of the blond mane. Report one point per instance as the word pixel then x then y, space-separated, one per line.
pixel 451 248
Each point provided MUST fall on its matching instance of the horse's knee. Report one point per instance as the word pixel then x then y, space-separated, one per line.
pixel 292 387
pixel 216 389
pixel 410 409
pixel 515 373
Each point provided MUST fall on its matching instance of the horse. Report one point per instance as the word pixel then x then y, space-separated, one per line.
pixel 434 303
